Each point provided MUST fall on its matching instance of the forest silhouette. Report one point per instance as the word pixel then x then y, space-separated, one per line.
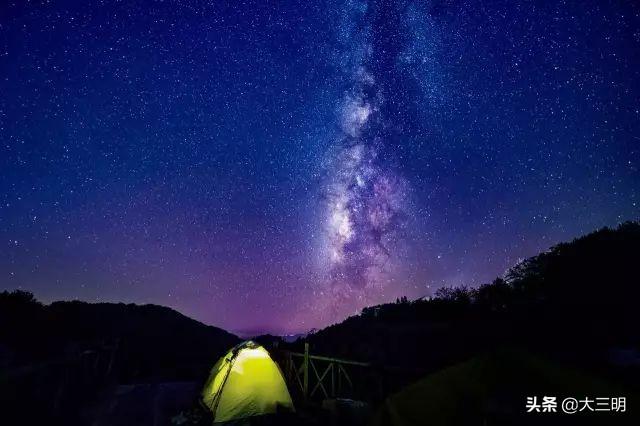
pixel 577 301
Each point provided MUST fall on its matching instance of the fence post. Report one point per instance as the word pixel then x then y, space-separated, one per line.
pixel 333 380
pixel 305 379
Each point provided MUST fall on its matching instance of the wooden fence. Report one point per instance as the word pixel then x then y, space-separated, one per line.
pixel 321 377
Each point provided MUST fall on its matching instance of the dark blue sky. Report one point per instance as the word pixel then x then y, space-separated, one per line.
pixel 276 166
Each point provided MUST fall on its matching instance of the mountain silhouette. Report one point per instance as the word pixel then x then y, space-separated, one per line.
pixel 63 357
pixel 576 303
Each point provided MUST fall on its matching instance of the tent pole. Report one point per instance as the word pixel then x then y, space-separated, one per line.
pixel 216 400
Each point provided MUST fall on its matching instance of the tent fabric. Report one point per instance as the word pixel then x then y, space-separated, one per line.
pixel 245 382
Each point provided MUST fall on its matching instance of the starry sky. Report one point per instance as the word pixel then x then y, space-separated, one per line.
pixel 270 166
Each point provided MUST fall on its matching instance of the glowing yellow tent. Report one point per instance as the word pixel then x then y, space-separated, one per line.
pixel 245 382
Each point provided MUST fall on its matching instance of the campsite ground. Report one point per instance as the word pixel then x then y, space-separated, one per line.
pixel 145 404
pixel 175 403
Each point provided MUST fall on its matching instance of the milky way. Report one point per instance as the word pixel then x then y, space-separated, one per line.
pixel 364 198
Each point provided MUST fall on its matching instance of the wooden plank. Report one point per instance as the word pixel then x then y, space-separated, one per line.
pixel 295 372
pixel 346 375
pixel 320 379
pixel 305 390
pixel 333 380
pixel 329 359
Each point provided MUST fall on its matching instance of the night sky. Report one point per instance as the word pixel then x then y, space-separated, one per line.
pixel 277 166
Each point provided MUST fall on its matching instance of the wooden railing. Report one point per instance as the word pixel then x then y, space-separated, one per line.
pixel 315 376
